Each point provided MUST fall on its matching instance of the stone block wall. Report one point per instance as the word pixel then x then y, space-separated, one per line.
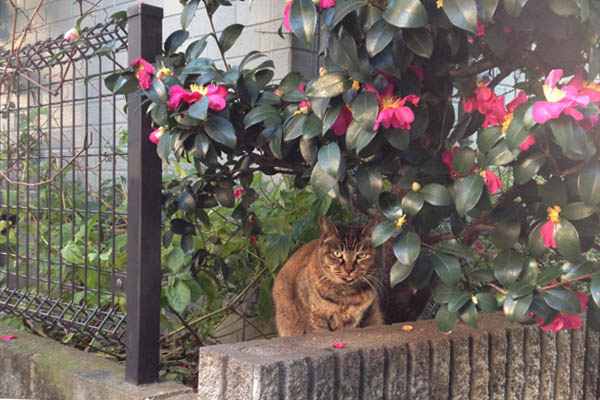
pixel 497 361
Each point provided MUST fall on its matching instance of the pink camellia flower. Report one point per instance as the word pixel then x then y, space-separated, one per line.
pixel 71 35
pixel 482 99
pixel 491 180
pixel 392 109
pixel 238 192
pixel 585 88
pixel 480 28
pixel 547 231
pixel 216 96
pixel 143 71
pixel 339 345
pixel 9 337
pixel 478 245
pixel 156 134
pixel 566 321
pixel 447 158
pixel 496 113
pixel 340 126
pixel 303 108
pixel 286 16
pixel 163 73
pixel 323 4
pixel 558 101
pixel 530 141
pixel 253 239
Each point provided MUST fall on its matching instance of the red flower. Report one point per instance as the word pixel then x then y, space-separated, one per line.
pixel 238 192
pixel 286 16
pixel 7 338
pixel 323 4
pixel 392 109
pixel 559 101
pixel 143 71
pixel 548 228
pixel 339 345
pixel 447 158
pixel 566 321
pixel 216 96
pixel 530 141
pixel 491 180
pixel 177 94
pixel 482 99
pixel 253 239
pixel 585 88
pixel 480 28
pixel 156 134
pixel 340 126
pixel 496 113
pixel 478 245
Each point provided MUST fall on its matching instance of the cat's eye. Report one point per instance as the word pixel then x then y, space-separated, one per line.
pixel 361 255
pixel 337 254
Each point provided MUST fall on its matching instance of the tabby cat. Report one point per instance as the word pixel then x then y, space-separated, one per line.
pixel 330 283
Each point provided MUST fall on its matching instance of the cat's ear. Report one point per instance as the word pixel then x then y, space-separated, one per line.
pixel 327 227
pixel 368 229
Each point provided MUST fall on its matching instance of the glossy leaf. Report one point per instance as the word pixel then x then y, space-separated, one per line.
pixel 508 265
pixel 458 300
pixel 514 7
pixel 406 14
pixel 447 268
pixel 407 247
pixel 321 181
pixel 589 183
pixel 419 41
pixel 468 192
pixel 345 7
pixel 365 109
pixel 469 316
pixel 412 203
pixel 199 109
pixel 175 40
pixel 379 36
pixel 529 167
pixel 488 8
pixel 578 210
pixel 220 130
pixel 303 20
pixel 436 195
pixel 488 137
pixel 399 272
pixel 462 13
pixel 369 182
pixel 382 232
pixel 595 288
pixel 329 85
pixel 463 160
pixel 390 206
pixel 188 13
pixel 562 300
pixel 330 159
pixel 444 319
pixel 514 310
pixel 487 302
pixel 567 240
pixel 230 35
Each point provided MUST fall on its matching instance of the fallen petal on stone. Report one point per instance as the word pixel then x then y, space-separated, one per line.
pixel 11 337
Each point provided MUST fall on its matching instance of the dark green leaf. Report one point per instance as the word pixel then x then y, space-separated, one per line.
pixel 187 244
pixel 303 20
pixel 329 85
pixel 220 130
pixel 225 196
pixel 259 114
pixel 488 8
pixel 382 232
pixel 379 36
pixel 399 272
pixel 391 206
pixel 488 137
pixel 345 7
pixel 163 149
pixel 278 251
pixel 463 160
pixel 181 226
pixel 407 247
pixel 562 300
pixel 567 240
pixel 462 13
pixel 199 66
pixel 447 268
pixel 175 260
pixel 365 109
pixel 442 293
pixel 516 132
pixel 521 289
pixel 330 159
pixel 369 182
pixel 513 7
pixel 188 13
pixel 342 50
pixel 406 14
pixel 229 36
pixel 572 271
pixel 564 8
pixel 501 154
pixel 487 302
pixel 508 265
pixel 444 319
pixel 179 296
pixel 595 288
pixel 589 183
pixel 175 40
pixel 199 109
pixel 469 315
pixel 506 233
pixel 412 203
pixel 398 138
pixel 529 167
pixel 455 248
pixel 419 41
pixel 436 195
pixel 157 92
pixel 321 181
pixel 195 49
pixel 514 310
pixel 468 192
pixel 457 300
pixel 593 316
pixel 186 202
pixel 331 115
pixel 578 210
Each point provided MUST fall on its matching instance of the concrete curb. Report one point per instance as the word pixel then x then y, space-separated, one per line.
pixel 36 368
pixel 497 361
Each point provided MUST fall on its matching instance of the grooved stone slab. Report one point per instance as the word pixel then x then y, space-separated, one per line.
pixel 496 361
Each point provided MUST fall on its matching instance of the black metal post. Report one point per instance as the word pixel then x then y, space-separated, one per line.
pixel 144 194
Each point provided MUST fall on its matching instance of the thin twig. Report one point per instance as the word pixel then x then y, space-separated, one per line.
pixel 214 34
pixel 185 324
pixel 579 278
pixel 498 288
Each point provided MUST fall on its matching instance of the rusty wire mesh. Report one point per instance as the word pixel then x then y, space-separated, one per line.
pixel 62 191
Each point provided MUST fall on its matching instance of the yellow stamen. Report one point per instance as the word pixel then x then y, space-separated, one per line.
pixel 415 186
pixel 199 89
pixel 474 300
pixel 400 222
pixel 507 120
pixel 554 214
pixel 355 85
pixel 591 85
pixel 439 3
pixel 390 102
pixel 165 71
pixel 139 68
pixel 301 110
pixel 482 173
pixel 553 95
pixel 277 92
pixel 481 84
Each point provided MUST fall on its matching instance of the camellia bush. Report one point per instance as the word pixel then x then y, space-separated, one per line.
pixel 468 128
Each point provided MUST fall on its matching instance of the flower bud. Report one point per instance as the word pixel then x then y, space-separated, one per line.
pixel 71 35
pixel 415 186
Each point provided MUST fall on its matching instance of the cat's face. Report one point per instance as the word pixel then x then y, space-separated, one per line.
pixel 346 253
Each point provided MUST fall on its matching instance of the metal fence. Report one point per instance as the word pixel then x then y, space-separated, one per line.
pixel 79 228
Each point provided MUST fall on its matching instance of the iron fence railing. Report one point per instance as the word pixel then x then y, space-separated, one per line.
pixel 80 191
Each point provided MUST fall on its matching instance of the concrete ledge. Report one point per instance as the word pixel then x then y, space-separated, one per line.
pixel 36 368
pixel 497 361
